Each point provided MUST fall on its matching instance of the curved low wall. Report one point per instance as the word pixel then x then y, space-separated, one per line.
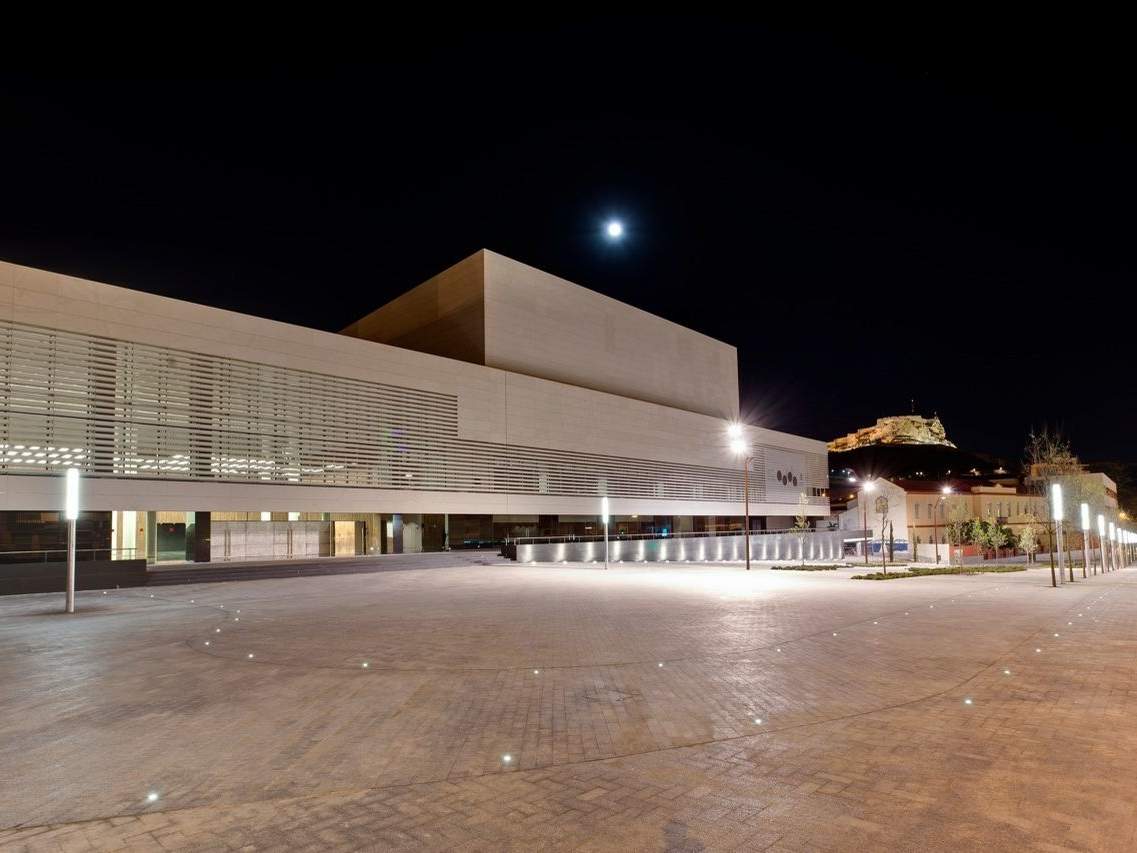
pixel 818 545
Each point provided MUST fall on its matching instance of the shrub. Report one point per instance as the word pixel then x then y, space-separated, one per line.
pixel 943 570
pixel 808 567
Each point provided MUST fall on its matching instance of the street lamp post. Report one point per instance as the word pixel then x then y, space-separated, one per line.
pixel 936 508
pixel 740 447
pixel 604 517
pixel 1056 513
pixel 71 513
pixel 1085 538
pixel 1101 542
pixel 1112 548
pixel 866 488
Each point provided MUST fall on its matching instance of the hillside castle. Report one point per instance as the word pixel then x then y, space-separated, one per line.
pixel 899 429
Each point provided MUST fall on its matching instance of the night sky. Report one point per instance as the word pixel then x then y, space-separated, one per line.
pixel 869 213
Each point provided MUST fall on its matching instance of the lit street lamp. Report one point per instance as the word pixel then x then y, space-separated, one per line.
pixel 604 518
pixel 1101 541
pixel 1057 511
pixel 741 448
pixel 866 488
pixel 1113 546
pixel 935 529
pixel 71 514
pixel 1085 537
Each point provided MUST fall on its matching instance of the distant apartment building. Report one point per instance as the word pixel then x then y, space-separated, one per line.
pixel 918 511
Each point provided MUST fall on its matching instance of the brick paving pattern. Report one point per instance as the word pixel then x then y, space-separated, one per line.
pixel 943 713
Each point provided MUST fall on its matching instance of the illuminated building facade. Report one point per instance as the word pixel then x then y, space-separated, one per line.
pixel 493 400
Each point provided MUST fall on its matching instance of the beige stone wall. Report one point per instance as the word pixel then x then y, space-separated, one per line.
pixel 489 309
pixel 991 502
pixel 541 325
pixel 493 405
pixel 444 315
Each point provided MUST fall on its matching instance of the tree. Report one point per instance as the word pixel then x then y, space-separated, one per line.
pixel 1048 459
pixel 997 535
pixel 980 535
pixel 1028 541
pixel 801 525
pixel 882 511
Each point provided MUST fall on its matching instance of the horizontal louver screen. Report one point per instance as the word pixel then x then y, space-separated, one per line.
pixel 127 410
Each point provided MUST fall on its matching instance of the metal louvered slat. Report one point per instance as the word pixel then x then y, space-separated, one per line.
pixel 128 410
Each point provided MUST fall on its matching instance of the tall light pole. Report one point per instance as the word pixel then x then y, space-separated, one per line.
pixel 1085 538
pixel 1112 547
pixel 741 448
pixel 71 514
pixel 604 518
pixel 867 487
pixel 1057 511
pixel 1101 541
pixel 935 528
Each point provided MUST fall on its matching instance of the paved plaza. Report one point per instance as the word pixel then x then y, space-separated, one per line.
pixel 679 708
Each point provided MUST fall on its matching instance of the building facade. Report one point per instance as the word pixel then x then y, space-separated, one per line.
pixel 919 511
pixel 493 400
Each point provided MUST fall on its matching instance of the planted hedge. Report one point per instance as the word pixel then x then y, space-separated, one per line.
pixel 808 567
pixel 943 570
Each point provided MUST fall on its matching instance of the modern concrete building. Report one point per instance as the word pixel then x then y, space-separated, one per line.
pixel 493 400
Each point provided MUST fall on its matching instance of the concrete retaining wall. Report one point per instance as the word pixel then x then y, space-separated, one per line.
pixel 22 578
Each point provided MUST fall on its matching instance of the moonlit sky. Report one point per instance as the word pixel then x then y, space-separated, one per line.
pixel 870 214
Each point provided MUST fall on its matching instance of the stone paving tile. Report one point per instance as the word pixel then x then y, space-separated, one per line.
pixel 866 739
